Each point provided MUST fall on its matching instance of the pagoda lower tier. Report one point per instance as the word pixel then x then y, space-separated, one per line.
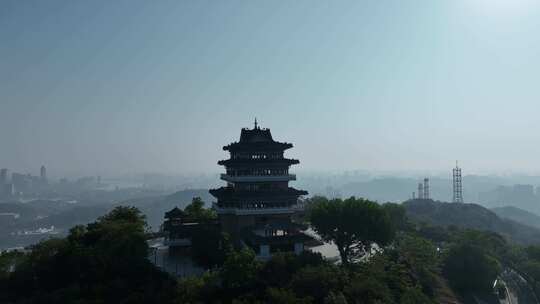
pixel 278 235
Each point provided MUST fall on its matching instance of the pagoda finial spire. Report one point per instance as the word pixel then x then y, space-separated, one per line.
pixel 256 126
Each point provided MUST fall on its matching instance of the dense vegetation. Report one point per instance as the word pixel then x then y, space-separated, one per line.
pixel 307 278
pixel 90 205
pixel 102 262
pixel 354 225
pixel 385 259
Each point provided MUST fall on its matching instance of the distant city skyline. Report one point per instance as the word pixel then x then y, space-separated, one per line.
pixel 129 87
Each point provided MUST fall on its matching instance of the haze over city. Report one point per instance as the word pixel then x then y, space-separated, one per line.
pixel 91 87
pixel 291 151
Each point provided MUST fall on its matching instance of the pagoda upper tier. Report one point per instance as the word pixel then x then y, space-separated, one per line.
pixel 257 139
pixel 257 173
pixel 257 149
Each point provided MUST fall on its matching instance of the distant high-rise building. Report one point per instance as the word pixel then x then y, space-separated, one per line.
pixel 426 188
pixel 456 182
pixel 3 176
pixel 420 191
pixel 21 182
pixel 7 189
pixel 43 173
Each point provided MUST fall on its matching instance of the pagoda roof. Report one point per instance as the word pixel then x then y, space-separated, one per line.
pixel 257 138
pixel 264 146
pixel 232 193
pixel 255 135
pixel 259 161
pixel 175 213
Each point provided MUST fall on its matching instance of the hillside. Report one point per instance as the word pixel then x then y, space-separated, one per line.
pixel 41 213
pixel 154 208
pixel 518 215
pixel 470 216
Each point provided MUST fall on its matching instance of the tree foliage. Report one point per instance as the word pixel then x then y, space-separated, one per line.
pixel 102 262
pixel 106 262
pixel 240 269
pixel 210 246
pixel 422 258
pixel 469 268
pixel 415 296
pixel 533 270
pixel 196 211
pixel 398 217
pixel 354 225
pixel 317 281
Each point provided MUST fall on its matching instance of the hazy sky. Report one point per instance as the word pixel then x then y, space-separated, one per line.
pixel 111 87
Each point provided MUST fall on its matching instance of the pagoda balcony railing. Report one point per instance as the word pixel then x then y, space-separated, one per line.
pixel 258 178
pixel 257 211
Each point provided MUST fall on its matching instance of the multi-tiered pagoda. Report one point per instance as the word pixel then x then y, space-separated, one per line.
pixel 256 206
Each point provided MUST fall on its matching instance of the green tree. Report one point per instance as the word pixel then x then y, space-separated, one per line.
pixel 279 270
pixel 382 278
pixel 335 298
pixel 422 258
pixel 369 290
pixel 398 217
pixel 414 296
pixel 317 282
pixel 9 262
pixel 210 246
pixel 196 211
pixel 468 268
pixel 240 269
pixel 533 252
pixel 532 268
pixel 125 214
pixel 102 262
pixel 199 289
pixel 284 296
pixel 491 242
pixel 354 225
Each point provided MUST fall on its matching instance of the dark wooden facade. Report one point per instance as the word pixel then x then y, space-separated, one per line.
pixel 256 205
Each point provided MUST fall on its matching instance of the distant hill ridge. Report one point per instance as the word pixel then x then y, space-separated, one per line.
pixel 470 216
pixel 154 208
pixel 45 213
pixel 518 215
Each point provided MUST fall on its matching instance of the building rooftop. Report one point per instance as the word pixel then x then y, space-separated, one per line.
pixel 260 161
pixel 174 213
pixel 255 135
pixel 257 138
